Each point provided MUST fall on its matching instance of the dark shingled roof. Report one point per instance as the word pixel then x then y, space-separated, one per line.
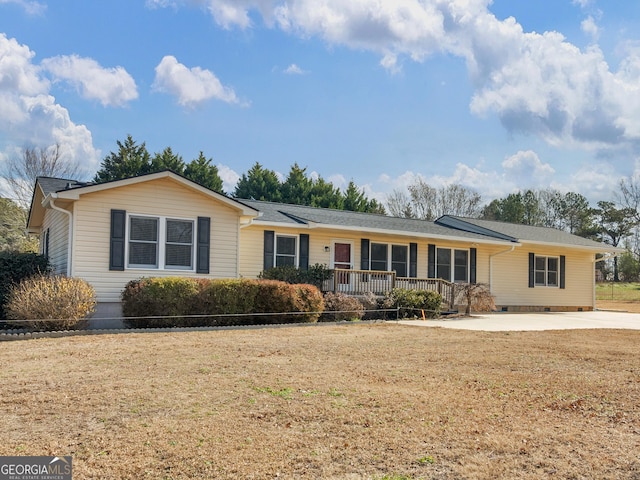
pixel 523 233
pixel 50 185
pixel 446 226
pixel 293 215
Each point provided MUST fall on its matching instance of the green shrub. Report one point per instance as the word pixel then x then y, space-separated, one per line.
pixel 339 307
pixel 309 299
pixel 314 275
pixel 184 302
pixel 45 303
pixel 15 267
pixel 221 297
pixel 411 303
pixel 167 299
pixel 280 297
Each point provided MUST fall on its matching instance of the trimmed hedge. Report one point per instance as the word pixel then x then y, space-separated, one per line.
pixel 182 302
pixel 159 297
pixel 15 267
pixel 411 303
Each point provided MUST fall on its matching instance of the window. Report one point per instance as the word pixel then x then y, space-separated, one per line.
pixel 143 242
pixel 443 264
pixel 379 257
pixel 285 251
pixel 546 271
pixel 458 269
pixel 179 246
pixel 399 259
pixel 147 250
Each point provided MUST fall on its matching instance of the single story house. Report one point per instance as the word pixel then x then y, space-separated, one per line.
pixel 164 224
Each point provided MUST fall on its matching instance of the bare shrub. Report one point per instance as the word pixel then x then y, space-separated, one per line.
pixel 476 297
pixel 339 307
pixel 43 303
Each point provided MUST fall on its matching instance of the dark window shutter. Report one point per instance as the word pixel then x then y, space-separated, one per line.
pixel 117 241
pixel 563 262
pixel 413 260
pixel 431 261
pixel 364 254
pixel 532 273
pixel 303 263
pixel 472 265
pixel 204 244
pixel 269 249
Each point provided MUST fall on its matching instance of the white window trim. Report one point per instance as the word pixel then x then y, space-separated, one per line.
pixel 452 267
pixel 162 241
pixel 546 271
pixel 390 254
pixel 296 259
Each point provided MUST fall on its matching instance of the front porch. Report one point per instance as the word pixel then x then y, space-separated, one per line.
pixel 360 282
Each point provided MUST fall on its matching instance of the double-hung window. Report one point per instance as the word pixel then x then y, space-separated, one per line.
pixel 178 251
pixel 546 271
pixel 379 254
pixel 384 255
pixel 399 259
pixel 286 250
pixel 452 264
pixel 159 242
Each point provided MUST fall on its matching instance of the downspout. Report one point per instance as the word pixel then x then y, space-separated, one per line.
pixel 491 264
pixel 70 239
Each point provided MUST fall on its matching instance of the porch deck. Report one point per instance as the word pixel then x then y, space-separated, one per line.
pixel 360 282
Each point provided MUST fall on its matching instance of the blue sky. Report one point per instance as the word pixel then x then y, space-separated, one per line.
pixel 497 96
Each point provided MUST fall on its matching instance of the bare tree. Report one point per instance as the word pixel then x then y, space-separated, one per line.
pixel 20 171
pixel 428 203
pixel 399 204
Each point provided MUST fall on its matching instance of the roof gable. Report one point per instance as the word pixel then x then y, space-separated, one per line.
pixel 72 190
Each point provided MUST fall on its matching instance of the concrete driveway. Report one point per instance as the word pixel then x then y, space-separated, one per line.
pixel 499 322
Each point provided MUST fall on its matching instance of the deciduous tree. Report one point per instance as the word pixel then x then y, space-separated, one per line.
pixel 20 172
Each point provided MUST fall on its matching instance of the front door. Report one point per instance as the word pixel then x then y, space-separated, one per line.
pixel 342 260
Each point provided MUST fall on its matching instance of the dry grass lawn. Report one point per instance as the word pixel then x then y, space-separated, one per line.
pixel 363 401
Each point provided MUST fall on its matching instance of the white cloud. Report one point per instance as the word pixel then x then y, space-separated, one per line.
pixel 31 7
pixel 191 86
pixel 229 178
pixel 537 84
pixel 30 116
pixel 526 167
pixel 110 86
pixel 582 3
pixel 294 69
pixel 590 28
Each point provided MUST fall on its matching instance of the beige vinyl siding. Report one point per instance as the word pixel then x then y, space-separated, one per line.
pixel 511 279
pixel 164 198
pixel 58 225
pixel 252 248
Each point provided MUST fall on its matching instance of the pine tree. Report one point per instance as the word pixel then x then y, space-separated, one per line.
pixel 130 160
pixel 201 171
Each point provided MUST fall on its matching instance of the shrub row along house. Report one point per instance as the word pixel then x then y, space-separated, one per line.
pixel 163 224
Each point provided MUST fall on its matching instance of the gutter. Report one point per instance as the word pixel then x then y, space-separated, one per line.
pixel 70 237
pixel 513 247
